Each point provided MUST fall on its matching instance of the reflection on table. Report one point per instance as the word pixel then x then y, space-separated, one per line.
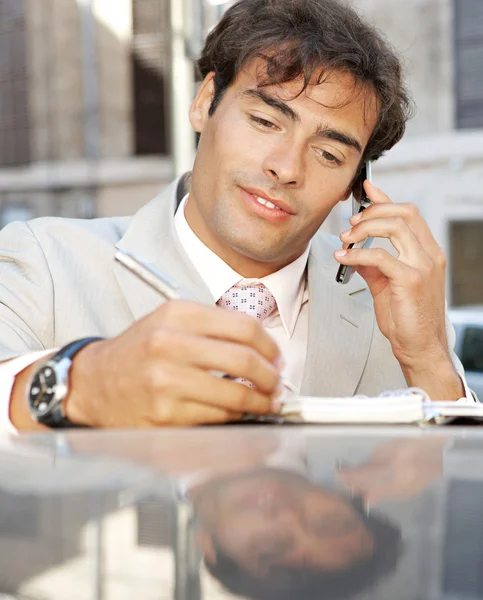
pixel 260 513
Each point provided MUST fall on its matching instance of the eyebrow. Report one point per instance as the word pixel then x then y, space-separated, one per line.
pixel 321 131
pixel 339 136
pixel 273 102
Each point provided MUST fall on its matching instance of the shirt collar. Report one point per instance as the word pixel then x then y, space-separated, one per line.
pixel 288 285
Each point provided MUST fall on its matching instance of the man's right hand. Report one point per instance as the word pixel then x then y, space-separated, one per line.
pixel 160 370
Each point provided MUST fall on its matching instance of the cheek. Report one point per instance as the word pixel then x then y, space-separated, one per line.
pixel 315 213
pixel 324 193
pixel 239 533
pixel 343 551
pixel 240 145
pixel 224 137
pixel 235 536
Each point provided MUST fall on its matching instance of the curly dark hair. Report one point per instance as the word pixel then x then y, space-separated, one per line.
pixel 306 39
pixel 287 583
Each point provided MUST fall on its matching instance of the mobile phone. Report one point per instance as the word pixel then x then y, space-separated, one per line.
pixel 360 202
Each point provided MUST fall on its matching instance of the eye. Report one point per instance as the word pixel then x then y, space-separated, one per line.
pixel 262 122
pixel 330 158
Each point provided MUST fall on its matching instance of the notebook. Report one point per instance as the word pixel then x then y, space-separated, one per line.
pixel 401 409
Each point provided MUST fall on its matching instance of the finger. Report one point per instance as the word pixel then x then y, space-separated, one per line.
pixel 394 229
pixel 388 265
pixel 370 489
pixel 198 386
pixel 211 354
pixel 366 476
pixel 411 214
pixel 191 414
pixel 218 323
pixel 194 413
pixel 375 195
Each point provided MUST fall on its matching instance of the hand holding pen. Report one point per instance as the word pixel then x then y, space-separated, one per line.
pixel 160 370
pixel 166 288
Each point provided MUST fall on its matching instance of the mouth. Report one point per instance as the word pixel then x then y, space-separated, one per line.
pixel 265 206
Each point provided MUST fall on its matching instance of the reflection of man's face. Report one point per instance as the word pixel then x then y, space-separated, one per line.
pixel 275 518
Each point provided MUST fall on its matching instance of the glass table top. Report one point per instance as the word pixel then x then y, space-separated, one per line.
pixel 243 512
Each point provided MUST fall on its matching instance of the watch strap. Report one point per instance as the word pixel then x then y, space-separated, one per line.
pixel 56 418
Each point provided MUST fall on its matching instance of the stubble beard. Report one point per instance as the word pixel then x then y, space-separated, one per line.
pixel 246 238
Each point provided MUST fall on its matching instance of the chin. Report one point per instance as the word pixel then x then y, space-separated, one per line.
pixel 259 255
pixel 251 248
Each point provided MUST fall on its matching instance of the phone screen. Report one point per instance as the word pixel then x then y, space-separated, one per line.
pixel 360 202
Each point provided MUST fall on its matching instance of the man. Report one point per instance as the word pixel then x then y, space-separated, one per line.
pixel 296 95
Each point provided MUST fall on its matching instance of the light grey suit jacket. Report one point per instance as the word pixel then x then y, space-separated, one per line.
pixel 59 282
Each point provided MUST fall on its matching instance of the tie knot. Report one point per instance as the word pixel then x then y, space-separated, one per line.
pixel 255 300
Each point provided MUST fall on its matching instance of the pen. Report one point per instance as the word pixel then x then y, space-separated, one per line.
pixel 164 286
pixel 149 274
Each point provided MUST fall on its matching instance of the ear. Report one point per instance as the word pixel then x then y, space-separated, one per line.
pixel 201 104
pixel 347 194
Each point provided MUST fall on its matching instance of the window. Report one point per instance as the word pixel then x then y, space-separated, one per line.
pixel 472 353
pixel 466 243
pixel 150 56
pixel 155 522
pixel 469 63
pixel 14 120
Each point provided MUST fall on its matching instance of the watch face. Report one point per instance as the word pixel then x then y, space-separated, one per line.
pixel 42 390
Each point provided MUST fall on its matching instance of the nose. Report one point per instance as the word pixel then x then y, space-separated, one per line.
pixel 285 165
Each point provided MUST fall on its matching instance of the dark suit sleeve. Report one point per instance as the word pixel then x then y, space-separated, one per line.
pixel 26 293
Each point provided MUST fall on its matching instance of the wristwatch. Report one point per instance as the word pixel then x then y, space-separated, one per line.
pixel 50 385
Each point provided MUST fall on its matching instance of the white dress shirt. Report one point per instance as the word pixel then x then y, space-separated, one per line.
pixel 288 324
pixel 9 369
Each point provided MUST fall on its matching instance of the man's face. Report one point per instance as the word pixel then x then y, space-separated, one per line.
pixel 299 153
pixel 269 520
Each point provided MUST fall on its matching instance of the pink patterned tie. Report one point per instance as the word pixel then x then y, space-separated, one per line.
pixel 255 300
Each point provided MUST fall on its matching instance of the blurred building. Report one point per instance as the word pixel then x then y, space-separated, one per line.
pixel 83 106
pixel 90 117
pixel 439 164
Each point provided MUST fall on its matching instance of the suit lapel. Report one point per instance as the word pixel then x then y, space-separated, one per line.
pixel 340 327
pixel 152 237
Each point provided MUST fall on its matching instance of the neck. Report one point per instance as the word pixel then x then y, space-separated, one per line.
pixel 246 266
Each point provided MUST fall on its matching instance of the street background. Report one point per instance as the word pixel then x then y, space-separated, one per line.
pixel 94 96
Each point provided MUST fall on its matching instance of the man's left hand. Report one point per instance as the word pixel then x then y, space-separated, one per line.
pixel 408 291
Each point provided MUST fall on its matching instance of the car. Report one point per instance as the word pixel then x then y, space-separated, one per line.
pixel 468 324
